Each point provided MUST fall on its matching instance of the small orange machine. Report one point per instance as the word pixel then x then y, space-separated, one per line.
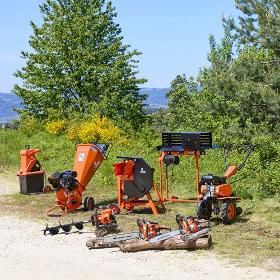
pixel 70 185
pixel 174 145
pixel 31 175
pixel 216 193
pixel 135 180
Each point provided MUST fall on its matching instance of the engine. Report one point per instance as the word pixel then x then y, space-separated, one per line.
pixel 214 186
pixel 66 179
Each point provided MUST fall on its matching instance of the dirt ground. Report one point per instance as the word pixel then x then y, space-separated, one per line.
pixel 25 253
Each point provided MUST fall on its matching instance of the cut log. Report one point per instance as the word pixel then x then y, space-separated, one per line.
pixel 97 242
pixel 176 242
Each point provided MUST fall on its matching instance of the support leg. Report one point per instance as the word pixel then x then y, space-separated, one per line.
pixel 152 204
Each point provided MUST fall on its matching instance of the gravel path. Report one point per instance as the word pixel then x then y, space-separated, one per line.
pixel 8 183
pixel 26 254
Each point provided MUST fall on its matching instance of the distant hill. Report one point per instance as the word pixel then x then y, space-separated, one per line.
pixel 156 97
pixel 8 101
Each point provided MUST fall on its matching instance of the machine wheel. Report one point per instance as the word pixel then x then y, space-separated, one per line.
pixel 89 203
pixel 204 209
pixel 228 211
pixel 238 211
pixel 128 207
pixel 47 189
pixel 115 208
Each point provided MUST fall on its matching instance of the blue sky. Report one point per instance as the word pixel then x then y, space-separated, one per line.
pixel 172 35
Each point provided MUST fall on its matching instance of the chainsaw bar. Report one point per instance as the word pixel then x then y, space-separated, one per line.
pixel 173 233
pixel 165 236
pixel 120 237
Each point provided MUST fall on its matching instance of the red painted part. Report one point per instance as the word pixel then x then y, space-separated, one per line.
pixel 27 160
pixel 119 167
pixel 231 171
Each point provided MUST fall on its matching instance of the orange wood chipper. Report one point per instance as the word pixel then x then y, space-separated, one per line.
pixel 70 184
pixel 31 175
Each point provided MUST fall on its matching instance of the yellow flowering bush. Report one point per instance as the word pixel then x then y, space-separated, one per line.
pixel 56 127
pixel 98 129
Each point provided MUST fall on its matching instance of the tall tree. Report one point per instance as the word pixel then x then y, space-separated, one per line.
pixel 258 25
pixel 79 61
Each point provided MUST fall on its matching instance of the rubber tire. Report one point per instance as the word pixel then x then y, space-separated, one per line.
pixel 89 203
pixel 47 189
pixel 203 210
pixel 115 208
pixel 238 211
pixel 224 212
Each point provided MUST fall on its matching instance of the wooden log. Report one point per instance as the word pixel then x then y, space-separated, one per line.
pixel 98 242
pixel 176 242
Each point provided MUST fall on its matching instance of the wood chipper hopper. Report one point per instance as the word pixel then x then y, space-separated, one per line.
pixel 70 184
pixel 31 175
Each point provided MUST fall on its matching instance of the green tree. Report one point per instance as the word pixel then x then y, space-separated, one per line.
pixel 79 62
pixel 258 25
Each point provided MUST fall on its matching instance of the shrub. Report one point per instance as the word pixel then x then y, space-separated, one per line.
pixel 98 129
pixel 56 127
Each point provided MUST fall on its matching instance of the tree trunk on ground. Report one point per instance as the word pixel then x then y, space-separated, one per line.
pixel 176 242
pixel 134 245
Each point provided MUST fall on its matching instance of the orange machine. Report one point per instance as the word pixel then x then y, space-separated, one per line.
pixel 216 193
pixel 70 185
pixel 175 145
pixel 31 175
pixel 148 229
pixel 135 180
pixel 104 221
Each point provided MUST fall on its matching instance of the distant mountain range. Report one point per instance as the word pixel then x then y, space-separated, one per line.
pixel 8 101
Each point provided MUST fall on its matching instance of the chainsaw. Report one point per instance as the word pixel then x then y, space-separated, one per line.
pixel 104 221
pixel 188 226
pixel 146 231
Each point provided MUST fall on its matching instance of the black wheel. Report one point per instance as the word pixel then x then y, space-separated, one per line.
pixel 238 211
pixel 204 209
pixel 89 203
pixel 66 228
pixel 115 208
pixel 228 211
pixel 47 189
